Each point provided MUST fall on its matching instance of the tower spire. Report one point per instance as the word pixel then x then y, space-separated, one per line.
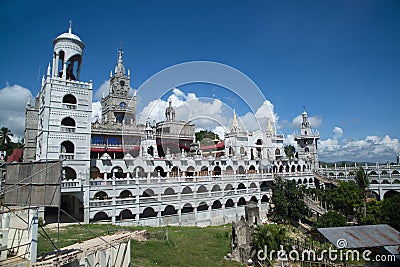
pixel 120 68
pixel 235 124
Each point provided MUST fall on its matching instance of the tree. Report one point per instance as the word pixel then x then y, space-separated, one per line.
pixel 206 137
pixel 345 197
pixel 363 183
pixel 390 211
pixel 288 201
pixel 290 151
pixel 374 213
pixel 331 219
pixel 269 236
pixel 5 139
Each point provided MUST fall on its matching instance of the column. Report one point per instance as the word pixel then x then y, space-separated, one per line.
pixel 64 70
pixel 179 216
pixel 53 71
pixel 210 213
pixel 5 228
pixel 159 218
pixel 34 235
pixel 55 67
pixel 195 215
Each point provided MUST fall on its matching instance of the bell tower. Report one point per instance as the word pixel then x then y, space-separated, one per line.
pixel 118 106
pixel 64 116
pixel 307 146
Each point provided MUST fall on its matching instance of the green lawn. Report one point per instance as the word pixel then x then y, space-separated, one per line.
pixel 186 246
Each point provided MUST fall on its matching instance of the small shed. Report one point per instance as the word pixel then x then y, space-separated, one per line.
pixel 364 236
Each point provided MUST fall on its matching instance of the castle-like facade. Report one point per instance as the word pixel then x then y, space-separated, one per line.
pixel 153 173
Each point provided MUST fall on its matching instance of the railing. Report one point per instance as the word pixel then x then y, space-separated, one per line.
pixel 169 197
pixel 67 156
pixel 69 106
pixel 216 194
pixel 68 129
pixel 100 202
pixel 70 183
pixel 125 201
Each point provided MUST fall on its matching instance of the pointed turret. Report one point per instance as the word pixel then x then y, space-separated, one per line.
pixel 235 124
pixel 270 131
pixel 48 70
pixel 305 123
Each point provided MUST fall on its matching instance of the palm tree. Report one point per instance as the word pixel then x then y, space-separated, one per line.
pixel 290 150
pixel 5 139
pixel 363 183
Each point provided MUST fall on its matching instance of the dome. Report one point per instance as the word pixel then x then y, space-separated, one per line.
pixel 68 35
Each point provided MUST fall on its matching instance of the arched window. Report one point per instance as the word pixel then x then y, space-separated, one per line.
pixel 229 203
pixel 169 210
pixel 125 194
pixel 202 189
pixel 241 186
pixel 95 173
pixel 204 171
pixel 68 173
pixel 202 206
pixel 277 152
pixel 252 169
pixel 148 193
pixel 190 171
pixel 231 151
pixel 148 213
pixel 125 214
pixel 159 171
pixel 67 150
pixel 169 191
pixel 117 172
pixel 241 170
pixel 175 171
pixel 68 125
pixel 229 170
pixel 217 170
pixel 216 205
pixel 69 101
pixel 216 188
pixel 187 208
pixel 101 195
pixel 187 190
pixel 306 150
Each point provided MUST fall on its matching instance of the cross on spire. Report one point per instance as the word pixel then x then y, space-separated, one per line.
pixel 70 26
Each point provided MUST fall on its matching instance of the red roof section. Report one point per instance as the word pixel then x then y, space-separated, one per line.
pixel 16 155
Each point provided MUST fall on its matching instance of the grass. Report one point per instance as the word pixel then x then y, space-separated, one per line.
pixel 186 246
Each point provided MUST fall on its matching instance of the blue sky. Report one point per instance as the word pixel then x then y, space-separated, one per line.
pixel 341 59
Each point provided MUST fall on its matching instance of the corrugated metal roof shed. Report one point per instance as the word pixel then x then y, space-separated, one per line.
pixel 364 236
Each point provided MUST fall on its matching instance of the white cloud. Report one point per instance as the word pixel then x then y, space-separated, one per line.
pixel 371 149
pixel 315 121
pixel 206 113
pixel 338 132
pixel 96 111
pixel 220 130
pixel 289 140
pixel 102 90
pixel 252 122
pixel 13 99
